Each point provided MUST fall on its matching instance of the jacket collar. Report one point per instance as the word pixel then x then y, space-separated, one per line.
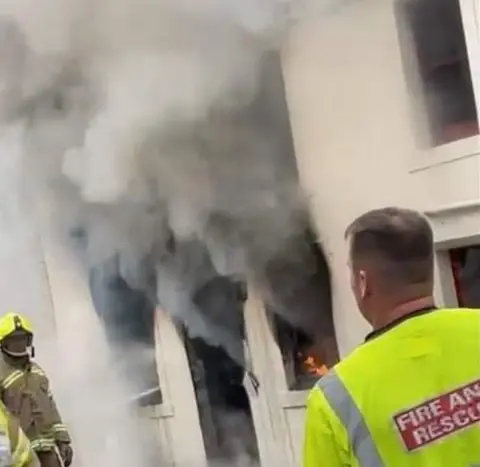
pixel 413 314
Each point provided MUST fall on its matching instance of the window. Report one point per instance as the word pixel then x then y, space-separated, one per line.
pixel 128 318
pixel 305 359
pixel 295 282
pixel 432 34
pixel 127 315
pixel 300 311
pixel 465 264
pixel 218 370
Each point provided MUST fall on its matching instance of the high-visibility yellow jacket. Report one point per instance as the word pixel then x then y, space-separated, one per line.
pixel 409 396
pixel 15 448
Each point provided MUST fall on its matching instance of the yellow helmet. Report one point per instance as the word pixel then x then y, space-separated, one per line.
pixel 12 322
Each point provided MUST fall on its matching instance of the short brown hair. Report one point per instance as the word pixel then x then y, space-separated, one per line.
pixel 399 241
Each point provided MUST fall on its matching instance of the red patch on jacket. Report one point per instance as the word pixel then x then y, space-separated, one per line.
pixel 439 417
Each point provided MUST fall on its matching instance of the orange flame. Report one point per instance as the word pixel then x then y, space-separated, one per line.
pixel 314 367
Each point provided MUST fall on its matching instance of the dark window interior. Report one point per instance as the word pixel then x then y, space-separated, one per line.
pixel 128 318
pixel 435 37
pixel 218 376
pixel 303 320
pixel 302 363
pixel 465 264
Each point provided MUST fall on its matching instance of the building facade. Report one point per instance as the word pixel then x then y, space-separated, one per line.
pixel 383 111
pixel 384 100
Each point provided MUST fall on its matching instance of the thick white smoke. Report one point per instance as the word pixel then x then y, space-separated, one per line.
pixel 145 128
pixel 138 123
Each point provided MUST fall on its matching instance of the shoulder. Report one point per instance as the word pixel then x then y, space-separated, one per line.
pixel 457 310
pixel 328 389
pixel 36 367
pixel 353 368
pixel 462 320
pixel 37 370
pixel 471 314
pixel 323 421
pixel 359 358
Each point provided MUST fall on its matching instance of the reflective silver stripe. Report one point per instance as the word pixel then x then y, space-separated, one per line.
pixel 41 444
pixel 38 371
pixel 11 378
pixel 59 427
pixel 347 411
pixel 17 374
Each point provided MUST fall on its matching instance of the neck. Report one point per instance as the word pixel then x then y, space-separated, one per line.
pixel 401 310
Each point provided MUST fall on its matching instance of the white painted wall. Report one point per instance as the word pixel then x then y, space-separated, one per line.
pixel 351 119
pixel 355 148
pixel 179 413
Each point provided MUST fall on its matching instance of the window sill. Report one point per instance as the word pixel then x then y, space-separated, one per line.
pixel 446 153
pixel 454 208
pixel 294 399
pixel 455 224
pixel 157 411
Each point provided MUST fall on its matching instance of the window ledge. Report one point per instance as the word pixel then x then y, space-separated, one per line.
pixel 472 205
pixel 294 399
pixel 445 154
pixel 455 224
pixel 157 411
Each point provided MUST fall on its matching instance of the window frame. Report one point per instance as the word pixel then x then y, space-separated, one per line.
pixel 454 226
pixel 427 157
pixel 457 281
pixel 275 332
pixel 288 398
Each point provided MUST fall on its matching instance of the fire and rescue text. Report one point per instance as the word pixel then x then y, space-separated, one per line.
pixel 440 417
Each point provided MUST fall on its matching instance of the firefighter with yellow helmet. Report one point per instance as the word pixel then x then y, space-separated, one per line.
pixel 410 394
pixel 24 389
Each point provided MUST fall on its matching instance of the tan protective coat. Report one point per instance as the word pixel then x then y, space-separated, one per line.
pixel 26 393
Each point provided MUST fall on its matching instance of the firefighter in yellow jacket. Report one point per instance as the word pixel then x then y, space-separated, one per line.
pixel 410 395
pixel 24 389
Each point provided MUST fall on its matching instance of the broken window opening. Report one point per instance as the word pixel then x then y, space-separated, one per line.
pixel 222 400
pixel 223 405
pixel 432 31
pixel 465 263
pixel 300 312
pixel 303 366
pixel 128 318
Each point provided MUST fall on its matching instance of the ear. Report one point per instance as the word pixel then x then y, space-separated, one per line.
pixel 363 283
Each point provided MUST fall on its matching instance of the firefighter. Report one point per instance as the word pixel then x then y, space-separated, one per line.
pixel 25 392
pixel 410 394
